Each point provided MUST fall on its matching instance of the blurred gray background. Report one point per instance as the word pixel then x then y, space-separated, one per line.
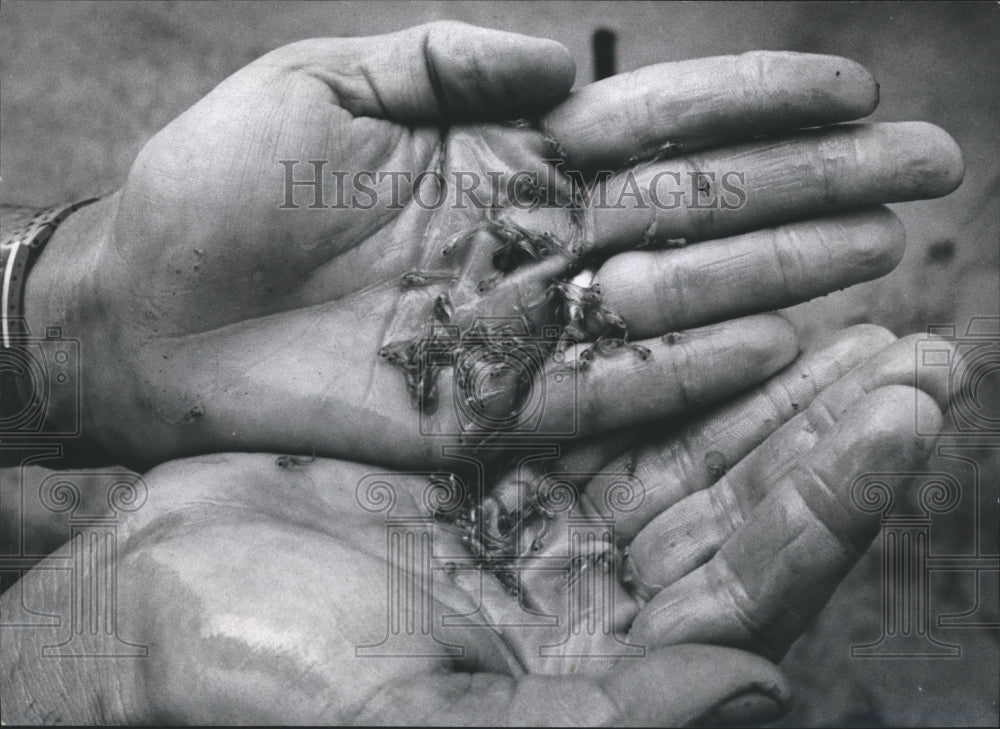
pixel 83 85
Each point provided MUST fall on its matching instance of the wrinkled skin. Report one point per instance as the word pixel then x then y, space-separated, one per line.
pixel 255 580
pixel 228 319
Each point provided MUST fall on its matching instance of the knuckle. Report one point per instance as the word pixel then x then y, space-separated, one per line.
pixel 438 29
pixel 746 611
pixel 780 398
pixel 833 160
pixel 786 247
pixel 684 378
pixel 752 69
pixel 694 221
pixel 899 364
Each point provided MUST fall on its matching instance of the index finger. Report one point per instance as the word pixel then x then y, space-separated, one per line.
pixel 679 107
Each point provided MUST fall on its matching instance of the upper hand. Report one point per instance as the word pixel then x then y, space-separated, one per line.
pixel 224 320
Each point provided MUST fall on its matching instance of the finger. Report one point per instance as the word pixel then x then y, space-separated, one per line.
pixel 664 291
pixel 702 102
pixel 691 531
pixel 741 688
pixel 441 71
pixel 894 365
pixel 683 462
pixel 691 683
pixel 773 576
pixel 625 388
pixel 673 464
pixel 707 364
pixel 314 362
pixel 812 173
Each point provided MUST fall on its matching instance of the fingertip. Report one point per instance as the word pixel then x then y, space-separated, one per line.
pixel 858 87
pixel 507 74
pixel 929 418
pixel 894 235
pixel 556 58
pixel 877 239
pixel 850 83
pixel 932 380
pixel 782 337
pixel 747 709
pixel 894 419
pixel 863 336
pixel 835 89
pixel 824 363
pixel 929 155
pixel 912 360
pixel 842 350
pixel 951 161
pixel 764 343
pixel 699 685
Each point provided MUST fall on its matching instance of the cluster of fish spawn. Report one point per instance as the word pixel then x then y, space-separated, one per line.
pixel 582 311
pixel 500 540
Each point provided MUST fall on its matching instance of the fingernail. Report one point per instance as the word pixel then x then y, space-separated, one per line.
pixel 752 707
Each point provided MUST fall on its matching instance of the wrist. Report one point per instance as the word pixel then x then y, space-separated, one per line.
pixel 60 289
pixel 60 306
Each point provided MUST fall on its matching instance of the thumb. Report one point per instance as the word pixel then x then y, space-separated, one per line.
pixel 440 71
pixel 697 685
pixel 676 686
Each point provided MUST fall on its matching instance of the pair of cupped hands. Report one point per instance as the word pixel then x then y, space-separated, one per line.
pixel 224 312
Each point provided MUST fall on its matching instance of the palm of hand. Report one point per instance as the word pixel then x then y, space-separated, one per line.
pixel 383 634
pixel 362 281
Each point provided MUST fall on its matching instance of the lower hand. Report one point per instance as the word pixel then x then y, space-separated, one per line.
pixel 255 579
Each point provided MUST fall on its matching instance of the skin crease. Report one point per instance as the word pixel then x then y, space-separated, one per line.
pixel 212 305
pixel 274 321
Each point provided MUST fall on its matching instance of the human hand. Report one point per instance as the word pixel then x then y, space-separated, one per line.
pixel 215 318
pixel 257 582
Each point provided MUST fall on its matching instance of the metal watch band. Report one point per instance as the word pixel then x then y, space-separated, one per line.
pixel 23 231
pixel 27 235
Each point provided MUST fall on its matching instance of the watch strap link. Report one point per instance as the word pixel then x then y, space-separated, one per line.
pixel 28 233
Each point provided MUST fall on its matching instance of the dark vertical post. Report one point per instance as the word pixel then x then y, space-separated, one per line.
pixel 603 43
